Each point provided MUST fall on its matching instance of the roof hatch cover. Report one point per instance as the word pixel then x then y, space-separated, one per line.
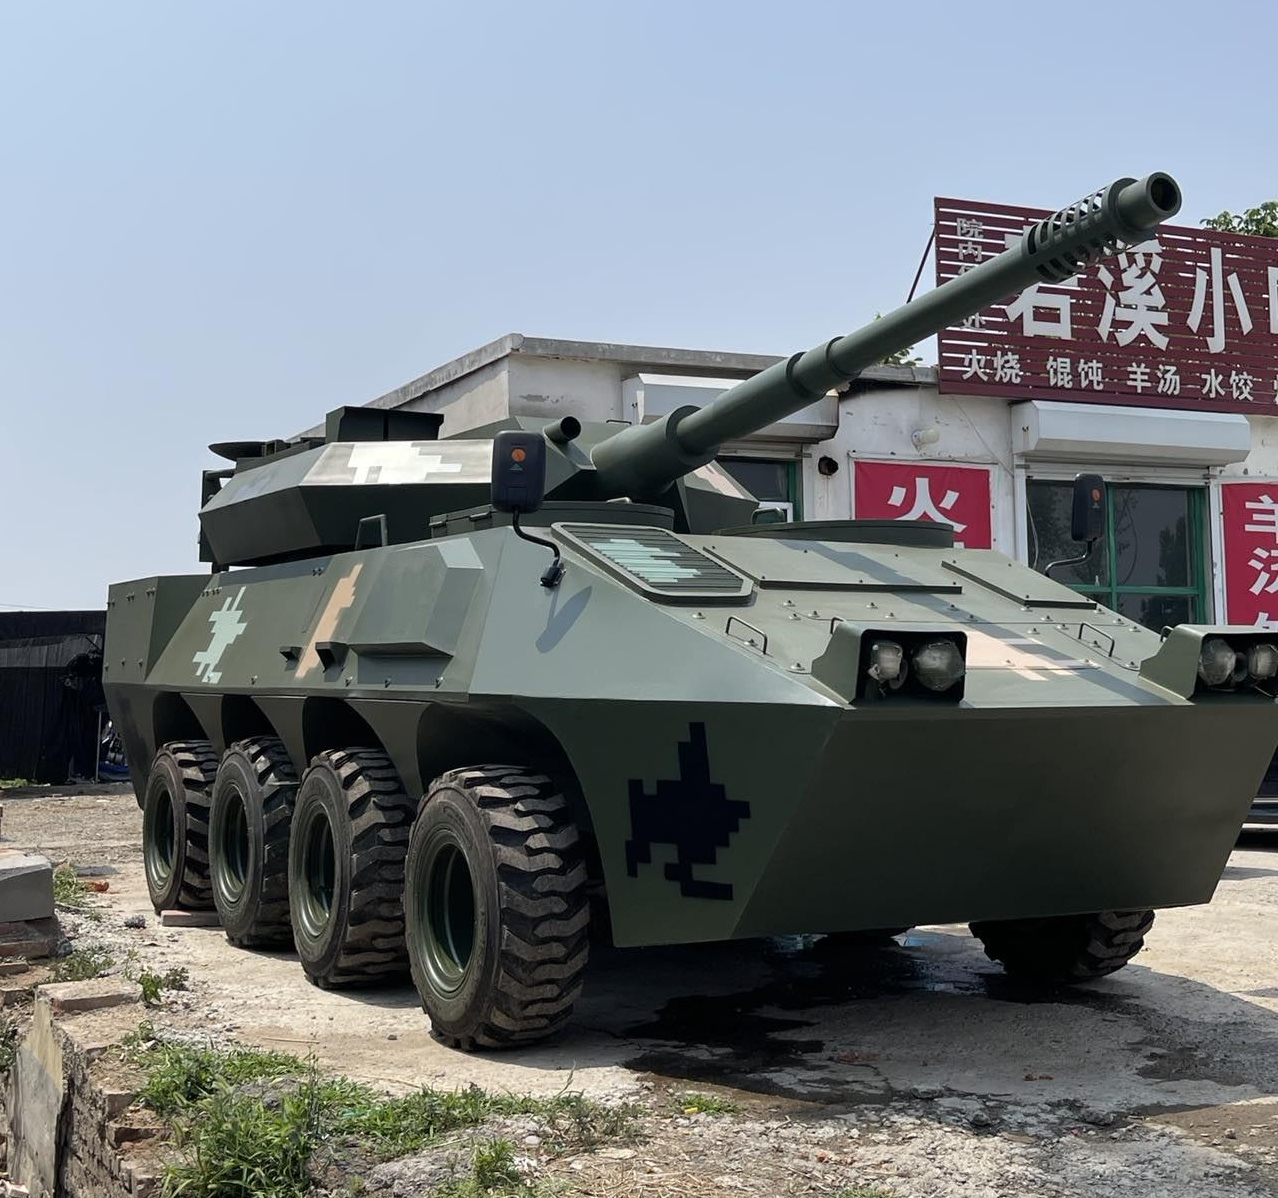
pixel 657 563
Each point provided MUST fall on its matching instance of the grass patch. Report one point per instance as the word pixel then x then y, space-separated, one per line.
pixel 864 1192
pixel 248 1123
pixel 82 965
pixel 69 890
pixel 705 1104
pixel 13 783
pixel 182 1076
pixel 155 984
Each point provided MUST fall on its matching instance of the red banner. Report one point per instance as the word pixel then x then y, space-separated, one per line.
pixel 957 495
pixel 1188 319
pixel 1249 516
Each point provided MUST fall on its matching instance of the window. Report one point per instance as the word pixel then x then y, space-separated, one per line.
pixel 1151 564
pixel 775 483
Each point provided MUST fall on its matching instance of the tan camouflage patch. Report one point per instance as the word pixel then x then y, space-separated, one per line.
pixel 342 596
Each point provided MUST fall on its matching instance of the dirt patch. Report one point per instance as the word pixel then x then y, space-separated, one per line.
pixel 915 1068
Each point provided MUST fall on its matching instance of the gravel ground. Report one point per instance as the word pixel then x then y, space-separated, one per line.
pixel 915 1068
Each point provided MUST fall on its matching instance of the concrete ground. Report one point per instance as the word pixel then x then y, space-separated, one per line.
pixel 917 1067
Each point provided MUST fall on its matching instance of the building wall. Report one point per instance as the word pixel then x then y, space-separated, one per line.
pixel 878 426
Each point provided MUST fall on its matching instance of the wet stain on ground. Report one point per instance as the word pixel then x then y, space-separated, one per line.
pixel 1183 1062
pixel 757 1032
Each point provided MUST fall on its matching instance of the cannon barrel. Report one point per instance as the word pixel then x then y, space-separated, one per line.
pixel 642 461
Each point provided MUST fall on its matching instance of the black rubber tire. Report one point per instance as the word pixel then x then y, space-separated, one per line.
pixel 358 940
pixel 530 939
pixel 175 826
pixel 252 804
pixel 1065 948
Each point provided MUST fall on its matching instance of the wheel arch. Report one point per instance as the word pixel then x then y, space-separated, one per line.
pixel 452 736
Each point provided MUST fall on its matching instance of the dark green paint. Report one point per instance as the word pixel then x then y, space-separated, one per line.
pixel 1071 776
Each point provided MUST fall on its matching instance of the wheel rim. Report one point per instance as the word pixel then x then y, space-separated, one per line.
pixel 319 872
pixel 232 860
pixel 160 840
pixel 446 914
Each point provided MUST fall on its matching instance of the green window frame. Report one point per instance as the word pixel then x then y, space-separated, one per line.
pixel 1110 594
pixel 790 466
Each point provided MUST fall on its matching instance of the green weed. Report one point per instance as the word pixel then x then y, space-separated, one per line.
pixel 864 1192
pixel 13 783
pixel 247 1123
pixel 705 1104
pixel 155 984
pixel 82 965
pixel 8 1045
pixel 69 890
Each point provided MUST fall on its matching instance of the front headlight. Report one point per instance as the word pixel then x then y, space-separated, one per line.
pixel 887 663
pixel 938 664
pixel 1216 661
pixel 1262 661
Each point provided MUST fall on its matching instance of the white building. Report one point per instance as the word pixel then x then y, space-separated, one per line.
pixel 1161 563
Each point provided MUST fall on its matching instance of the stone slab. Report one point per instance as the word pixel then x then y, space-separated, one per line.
pixel 174 918
pixel 67 998
pixel 26 886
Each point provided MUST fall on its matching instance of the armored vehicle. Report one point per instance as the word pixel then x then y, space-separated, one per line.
pixel 400 731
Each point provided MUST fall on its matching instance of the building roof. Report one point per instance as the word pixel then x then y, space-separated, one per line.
pixel 633 358
pixel 711 363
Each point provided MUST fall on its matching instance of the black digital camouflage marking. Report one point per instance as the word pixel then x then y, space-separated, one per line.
pixel 692 813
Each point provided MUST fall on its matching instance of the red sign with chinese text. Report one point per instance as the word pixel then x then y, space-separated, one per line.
pixel 957 495
pixel 1249 515
pixel 1188 319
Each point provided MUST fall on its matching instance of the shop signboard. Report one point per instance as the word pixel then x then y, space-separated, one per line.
pixel 1188 319
pixel 957 495
pixel 1249 540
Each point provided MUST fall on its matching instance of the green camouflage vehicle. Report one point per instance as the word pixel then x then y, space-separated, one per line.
pixel 399 731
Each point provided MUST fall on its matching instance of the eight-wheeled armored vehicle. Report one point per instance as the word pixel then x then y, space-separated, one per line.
pixel 402 732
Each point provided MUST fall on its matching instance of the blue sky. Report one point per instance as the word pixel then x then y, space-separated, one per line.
pixel 221 220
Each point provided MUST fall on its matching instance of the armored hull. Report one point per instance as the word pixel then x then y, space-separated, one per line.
pixel 402 732
pixel 731 778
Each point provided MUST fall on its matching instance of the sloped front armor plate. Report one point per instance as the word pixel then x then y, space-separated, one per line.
pixel 657 563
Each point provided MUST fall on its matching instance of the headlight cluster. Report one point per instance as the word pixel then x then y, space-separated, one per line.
pixel 1222 666
pixel 930 664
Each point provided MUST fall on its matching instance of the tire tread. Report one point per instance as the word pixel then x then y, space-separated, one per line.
pixel 1066 948
pixel 544 907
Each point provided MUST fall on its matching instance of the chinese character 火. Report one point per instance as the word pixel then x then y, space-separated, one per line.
pixel 925 507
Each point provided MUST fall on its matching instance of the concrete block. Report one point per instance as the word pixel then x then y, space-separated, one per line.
pixel 28 947
pixel 67 998
pixel 11 996
pixel 26 886
pixel 120 1134
pixel 174 918
pixel 9 969
pixel 116 1102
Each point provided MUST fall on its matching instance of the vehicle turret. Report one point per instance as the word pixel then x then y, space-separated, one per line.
pixel 385 477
